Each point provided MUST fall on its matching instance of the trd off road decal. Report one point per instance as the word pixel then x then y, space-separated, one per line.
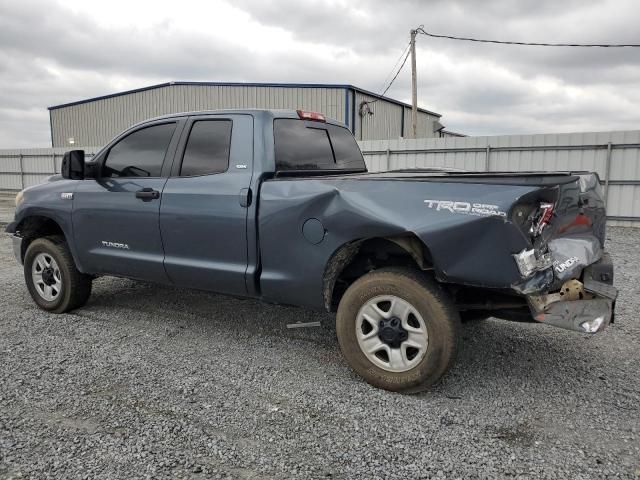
pixel 466 208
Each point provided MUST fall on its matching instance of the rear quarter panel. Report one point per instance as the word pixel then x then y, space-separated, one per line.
pixel 466 248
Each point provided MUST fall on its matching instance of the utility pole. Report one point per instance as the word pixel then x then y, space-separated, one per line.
pixel 414 87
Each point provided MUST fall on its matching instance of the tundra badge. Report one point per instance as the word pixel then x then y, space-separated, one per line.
pixel 122 246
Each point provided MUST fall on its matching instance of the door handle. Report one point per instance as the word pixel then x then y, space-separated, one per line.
pixel 244 198
pixel 147 194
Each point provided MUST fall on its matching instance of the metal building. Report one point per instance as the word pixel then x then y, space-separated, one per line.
pixel 95 121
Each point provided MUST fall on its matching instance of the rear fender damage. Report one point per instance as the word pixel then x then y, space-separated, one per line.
pixel 581 305
pixel 466 233
pixel 566 276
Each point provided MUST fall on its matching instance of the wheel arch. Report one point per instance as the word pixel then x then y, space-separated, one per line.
pixel 356 258
pixel 37 226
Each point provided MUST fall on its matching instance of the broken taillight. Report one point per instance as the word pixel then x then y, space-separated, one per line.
pixel 314 116
pixel 542 218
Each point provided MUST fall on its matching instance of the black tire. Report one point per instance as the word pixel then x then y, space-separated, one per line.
pixel 75 286
pixel 429 300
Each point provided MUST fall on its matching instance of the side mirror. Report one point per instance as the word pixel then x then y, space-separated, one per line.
pixel 73 165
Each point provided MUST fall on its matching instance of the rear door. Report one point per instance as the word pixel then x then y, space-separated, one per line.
pixel 203 217
pixel 116 221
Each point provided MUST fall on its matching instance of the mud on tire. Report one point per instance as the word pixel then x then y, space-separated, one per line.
pixel 405 358
pixel 53 280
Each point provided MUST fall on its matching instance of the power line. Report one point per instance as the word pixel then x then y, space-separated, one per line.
pixel 397 73
pixel 533 44
pixel 406 53
pixel 395 65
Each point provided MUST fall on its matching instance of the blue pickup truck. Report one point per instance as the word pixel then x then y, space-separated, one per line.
pixel 278 205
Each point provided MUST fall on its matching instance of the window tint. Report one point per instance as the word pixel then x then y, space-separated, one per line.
pixel 345 148
pixel 207 149
pixel 300 146
pixel 140 154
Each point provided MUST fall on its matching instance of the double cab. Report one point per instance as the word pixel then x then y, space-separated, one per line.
pixel 279 206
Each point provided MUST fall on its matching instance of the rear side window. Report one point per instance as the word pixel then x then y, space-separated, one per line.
pixel 139 154
pixel 207 149
pixel 345 148
pixel 301 148
pixel 301 145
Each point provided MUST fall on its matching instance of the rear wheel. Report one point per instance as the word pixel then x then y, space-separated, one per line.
pixel 53 280
pixel 398 329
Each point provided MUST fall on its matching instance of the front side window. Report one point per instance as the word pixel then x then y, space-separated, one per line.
pixel 207 149
pixel 301 145
pixel 139 154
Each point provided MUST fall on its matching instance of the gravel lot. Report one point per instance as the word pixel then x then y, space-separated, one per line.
pixel 156 382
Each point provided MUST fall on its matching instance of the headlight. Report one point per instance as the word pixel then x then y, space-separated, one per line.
pixel 19 198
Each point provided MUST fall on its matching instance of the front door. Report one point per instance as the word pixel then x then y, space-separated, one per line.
pixel 116 216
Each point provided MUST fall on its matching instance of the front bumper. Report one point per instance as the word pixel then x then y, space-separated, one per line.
pixel 17 248
pixel 590 303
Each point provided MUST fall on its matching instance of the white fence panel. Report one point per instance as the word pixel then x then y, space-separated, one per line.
pixel 615 156
pixel 21 168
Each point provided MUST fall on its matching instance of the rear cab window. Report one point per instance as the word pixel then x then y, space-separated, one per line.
pixel 307 145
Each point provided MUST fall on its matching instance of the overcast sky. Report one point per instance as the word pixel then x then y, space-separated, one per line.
pixel 54 52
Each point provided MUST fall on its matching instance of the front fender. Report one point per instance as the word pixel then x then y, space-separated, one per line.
pixel 46 201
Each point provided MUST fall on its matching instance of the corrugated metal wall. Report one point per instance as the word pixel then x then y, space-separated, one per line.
pixel 384 121
pixel 615 156
pixel 424 126
pixel 387 120
pixel 96 122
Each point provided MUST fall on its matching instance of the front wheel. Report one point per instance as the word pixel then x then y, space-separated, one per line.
pixel 398 329
pixel 53 280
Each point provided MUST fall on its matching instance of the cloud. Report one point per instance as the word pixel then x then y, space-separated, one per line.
pixel 53 53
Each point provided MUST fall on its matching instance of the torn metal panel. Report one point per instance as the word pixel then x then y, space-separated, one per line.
pixel 530 261
pixel 584 307
pixel 586 316
pixel 571 290
pixel 573 253
pixel 539 282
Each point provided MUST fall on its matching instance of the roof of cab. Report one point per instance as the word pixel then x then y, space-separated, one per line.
pixel 274 113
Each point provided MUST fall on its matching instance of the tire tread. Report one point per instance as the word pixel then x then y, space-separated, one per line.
pixel 447 344
pixel 78 284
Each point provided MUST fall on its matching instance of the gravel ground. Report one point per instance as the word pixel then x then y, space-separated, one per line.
pixel 156 382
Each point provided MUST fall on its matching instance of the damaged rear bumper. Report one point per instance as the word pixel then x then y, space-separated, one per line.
pixel 585 306
pixel 586 316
